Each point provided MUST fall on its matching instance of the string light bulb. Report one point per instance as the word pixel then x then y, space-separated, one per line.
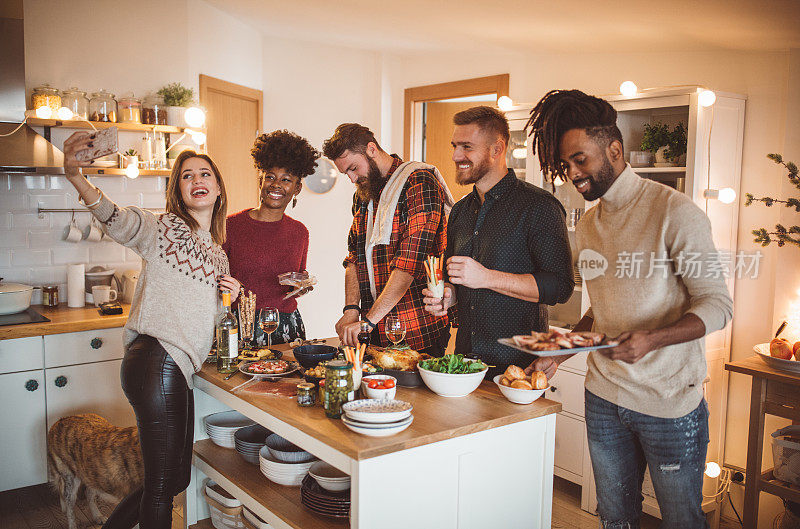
pixel 726 195
pixel 558 181
pixel 197 136
pixel 628 89
pixel 519 153
pixel 44 112
pixel 706 98
pixel 64 114
pixel 713 470
pixel 194 117
pixel 132 170
pixel 504 103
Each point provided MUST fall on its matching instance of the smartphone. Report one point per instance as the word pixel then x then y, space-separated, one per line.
pixel 106 141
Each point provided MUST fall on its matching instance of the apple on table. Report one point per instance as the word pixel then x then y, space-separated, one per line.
pixel 781 348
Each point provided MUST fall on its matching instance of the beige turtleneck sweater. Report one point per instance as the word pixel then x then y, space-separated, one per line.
pixel 645 222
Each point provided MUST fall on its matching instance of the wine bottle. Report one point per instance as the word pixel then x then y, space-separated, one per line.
pixel 227 338
pixel 364 335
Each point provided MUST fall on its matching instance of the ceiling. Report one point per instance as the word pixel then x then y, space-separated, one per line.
pixel 517 25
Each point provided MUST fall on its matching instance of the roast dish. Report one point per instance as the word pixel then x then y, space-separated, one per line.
pixel 555 340
pixel 397 359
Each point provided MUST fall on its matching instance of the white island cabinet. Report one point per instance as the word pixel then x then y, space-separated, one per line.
pixel 472 462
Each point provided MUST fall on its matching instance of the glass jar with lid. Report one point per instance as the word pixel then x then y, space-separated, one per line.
pixel 46 96
pixel 103 107
pixel 154 111
pixel 76 101
pixel 130 109
pixel 338 387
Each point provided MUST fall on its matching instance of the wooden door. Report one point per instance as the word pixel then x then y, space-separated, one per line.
pixel 438 135
pixel 23 433
pixel 234 120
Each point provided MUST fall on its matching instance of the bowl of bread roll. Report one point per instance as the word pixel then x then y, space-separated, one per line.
pixel 519 388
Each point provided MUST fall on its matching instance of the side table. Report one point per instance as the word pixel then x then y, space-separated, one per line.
pixel 777 393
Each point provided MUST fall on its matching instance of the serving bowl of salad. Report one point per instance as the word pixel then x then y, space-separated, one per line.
pixel 452 375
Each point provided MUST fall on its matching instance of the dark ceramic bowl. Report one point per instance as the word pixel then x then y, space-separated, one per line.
pixel 310 355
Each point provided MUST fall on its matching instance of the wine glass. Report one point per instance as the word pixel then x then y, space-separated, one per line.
pixel 268 319
pixel 395 329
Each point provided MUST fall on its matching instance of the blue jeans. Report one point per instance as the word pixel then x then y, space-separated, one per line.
pixel 622 443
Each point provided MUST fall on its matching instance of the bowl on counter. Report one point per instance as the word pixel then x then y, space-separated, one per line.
pixel 407 379
pixel 452 385
pixel 377 393
pixel 517 395
pixel 309 356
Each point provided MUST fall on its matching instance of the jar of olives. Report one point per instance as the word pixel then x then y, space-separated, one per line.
pixel 338 387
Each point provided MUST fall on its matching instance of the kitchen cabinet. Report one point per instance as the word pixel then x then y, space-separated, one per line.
pixel 44 378
pixel 23 459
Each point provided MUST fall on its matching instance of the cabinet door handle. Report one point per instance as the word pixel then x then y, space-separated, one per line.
pixel 61 381
pixel 553 389
pixel 96 343
pixel 32 385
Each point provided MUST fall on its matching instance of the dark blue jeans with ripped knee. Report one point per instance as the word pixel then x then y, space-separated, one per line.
pixel 622 443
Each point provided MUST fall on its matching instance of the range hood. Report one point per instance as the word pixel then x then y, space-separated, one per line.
pixel 24 151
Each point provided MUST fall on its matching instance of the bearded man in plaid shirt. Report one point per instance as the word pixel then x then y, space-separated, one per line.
pixel 399 219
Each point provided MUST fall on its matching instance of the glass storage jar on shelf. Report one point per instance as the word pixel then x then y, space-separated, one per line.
pixel 154 111
pixel 46 96
pixel 103 107
pixel 130 109
pixel 76 101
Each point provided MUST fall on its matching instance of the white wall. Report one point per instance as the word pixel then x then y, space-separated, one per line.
pixel 310 88
pixel 771 115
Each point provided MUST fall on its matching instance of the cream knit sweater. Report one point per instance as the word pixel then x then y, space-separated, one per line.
pixel 176 299
pixel 641 223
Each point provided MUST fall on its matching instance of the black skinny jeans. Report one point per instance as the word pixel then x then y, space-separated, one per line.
pixel 164 408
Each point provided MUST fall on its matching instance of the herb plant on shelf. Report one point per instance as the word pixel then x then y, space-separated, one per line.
pixel 671 143
pixel 782 234
pixel 176 95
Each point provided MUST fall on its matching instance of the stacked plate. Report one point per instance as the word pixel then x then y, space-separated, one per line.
pixel 377 418
pixel 324 502
pixel 282 473
pixel 249 441
pixel 222 426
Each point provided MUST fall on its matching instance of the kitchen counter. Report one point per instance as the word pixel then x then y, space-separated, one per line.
pixel 65 319
pixel 475 461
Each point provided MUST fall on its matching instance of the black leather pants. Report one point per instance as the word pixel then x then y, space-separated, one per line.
pixel 164 408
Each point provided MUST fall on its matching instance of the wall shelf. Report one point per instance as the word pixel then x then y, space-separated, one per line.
pixel 118 171
pixel 659 169
pixel 129 127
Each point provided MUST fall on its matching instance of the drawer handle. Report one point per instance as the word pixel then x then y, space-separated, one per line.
pixel 96 343
pixel 61 381
pixel 32 385
pixel 553 389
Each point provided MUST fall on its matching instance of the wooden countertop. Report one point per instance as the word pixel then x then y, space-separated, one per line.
pixel 435 418
pixel 65 319
pixel 756 367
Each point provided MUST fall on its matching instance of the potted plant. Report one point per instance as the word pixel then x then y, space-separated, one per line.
pixel 656 140
pixel 131 158
pixel 176 98
pixel 676 149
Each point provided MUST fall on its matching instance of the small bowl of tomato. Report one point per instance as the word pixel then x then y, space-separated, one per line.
pixel 379 386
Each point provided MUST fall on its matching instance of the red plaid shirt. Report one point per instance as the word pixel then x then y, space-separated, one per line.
pixel 419 230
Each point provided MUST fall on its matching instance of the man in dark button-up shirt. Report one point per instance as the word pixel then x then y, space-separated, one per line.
pixel 508 254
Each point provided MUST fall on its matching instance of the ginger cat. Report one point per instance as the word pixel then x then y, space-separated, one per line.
pixel 90 451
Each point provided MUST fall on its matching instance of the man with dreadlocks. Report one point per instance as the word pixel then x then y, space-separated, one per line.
pixel 644 398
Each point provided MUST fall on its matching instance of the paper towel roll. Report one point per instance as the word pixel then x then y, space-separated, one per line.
pixel 75 285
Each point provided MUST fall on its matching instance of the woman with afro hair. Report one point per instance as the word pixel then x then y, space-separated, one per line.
pixel 264 242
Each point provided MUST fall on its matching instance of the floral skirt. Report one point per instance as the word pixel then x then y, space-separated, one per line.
pixel 290 328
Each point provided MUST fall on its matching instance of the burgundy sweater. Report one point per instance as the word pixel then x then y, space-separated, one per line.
pixel 259 251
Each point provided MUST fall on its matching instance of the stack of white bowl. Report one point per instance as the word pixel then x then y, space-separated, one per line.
pixel 290 474
pixel 222 426
pixel 249 441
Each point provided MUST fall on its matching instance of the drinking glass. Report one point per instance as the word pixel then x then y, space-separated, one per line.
pixel 268 319
pixel 395 329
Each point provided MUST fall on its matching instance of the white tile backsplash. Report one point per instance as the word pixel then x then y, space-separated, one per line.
pixel 32 250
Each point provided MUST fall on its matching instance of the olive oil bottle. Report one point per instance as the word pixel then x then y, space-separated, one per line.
pixel 227 338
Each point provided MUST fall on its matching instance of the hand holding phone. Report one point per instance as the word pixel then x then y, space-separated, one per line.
pixel 105 142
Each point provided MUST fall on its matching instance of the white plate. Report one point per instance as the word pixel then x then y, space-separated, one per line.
pixel 556 352
pixel 377 432
pixel 227 420
pixel 778 363
pixel 377 425
pixel 377 411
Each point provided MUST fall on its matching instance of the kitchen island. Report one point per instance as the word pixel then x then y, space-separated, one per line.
pixel 472 462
